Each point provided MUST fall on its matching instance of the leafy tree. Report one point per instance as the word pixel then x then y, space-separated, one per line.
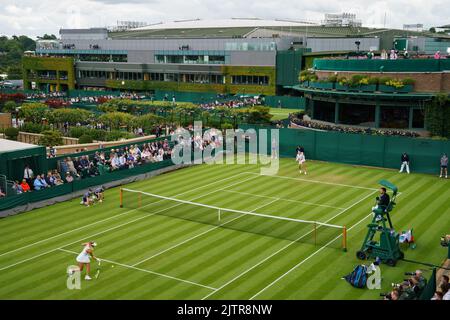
pixel 51 138
pixel 149 121
pixel 117 120
pixel 34 112
pixel 9 106
pixel 72 116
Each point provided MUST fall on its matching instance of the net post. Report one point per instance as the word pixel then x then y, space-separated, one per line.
pixel 344 239
pixel 121 197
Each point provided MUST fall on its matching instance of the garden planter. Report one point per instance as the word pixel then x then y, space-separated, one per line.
pixel 341 87
pixel 387 89
pixel 405 89
pixel 368 87
pixel 322 85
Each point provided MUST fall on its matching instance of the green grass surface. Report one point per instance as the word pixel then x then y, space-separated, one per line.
pixel 281 113
pixel 148 255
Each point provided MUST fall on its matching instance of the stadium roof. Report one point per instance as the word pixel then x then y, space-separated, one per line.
pixel 242 28
pixel 225 23
pixel 9 145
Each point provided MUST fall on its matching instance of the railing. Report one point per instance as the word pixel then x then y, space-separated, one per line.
pixel 380 65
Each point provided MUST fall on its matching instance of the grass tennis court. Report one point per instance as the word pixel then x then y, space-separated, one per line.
pixel 161 249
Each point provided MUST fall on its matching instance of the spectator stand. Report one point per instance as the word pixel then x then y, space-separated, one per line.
pixel 14 156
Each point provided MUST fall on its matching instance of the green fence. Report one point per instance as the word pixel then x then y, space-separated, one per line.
pixel 377 65
pixel 285 102
pixel 78 185
pixel 358 149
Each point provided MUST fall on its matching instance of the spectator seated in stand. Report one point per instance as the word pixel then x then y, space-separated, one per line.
pixel 25 186
pixel 2 193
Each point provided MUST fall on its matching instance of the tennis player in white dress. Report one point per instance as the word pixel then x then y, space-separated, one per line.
pixel 84 258
pixel 301 159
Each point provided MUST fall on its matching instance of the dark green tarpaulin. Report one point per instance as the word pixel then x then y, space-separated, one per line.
pixel 357 149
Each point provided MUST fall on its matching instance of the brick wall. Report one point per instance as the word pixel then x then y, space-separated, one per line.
pixel 5 120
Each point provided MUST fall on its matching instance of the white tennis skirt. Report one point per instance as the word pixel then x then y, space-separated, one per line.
pixel 83 259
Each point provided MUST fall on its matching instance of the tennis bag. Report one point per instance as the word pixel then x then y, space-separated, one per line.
pixel 358 277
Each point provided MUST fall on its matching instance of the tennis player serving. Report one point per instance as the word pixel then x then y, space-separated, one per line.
pixel 84 258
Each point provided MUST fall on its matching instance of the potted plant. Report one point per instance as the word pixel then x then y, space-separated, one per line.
pixel 305 77
pixel 342 84
pixel 368 84
pixel 386 84
pixel 354 82
pixel 322 84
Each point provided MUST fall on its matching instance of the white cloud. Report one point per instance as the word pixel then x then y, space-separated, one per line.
pixel 48 16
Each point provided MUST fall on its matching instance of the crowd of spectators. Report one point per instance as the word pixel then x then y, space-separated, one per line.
pixel 101 162
pixel 232 104
pixel 351 129
pixel 117 159
pixel 409 289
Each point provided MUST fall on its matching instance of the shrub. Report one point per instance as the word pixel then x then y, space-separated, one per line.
pixel 385 80
pixel 77 132
pixel 51 138
pixel 34 127
pixel 116 135
pixel 343 81
pixel 11 133
pixel 85 139
pixel 374 80
pixel 355 80
pixel 333 78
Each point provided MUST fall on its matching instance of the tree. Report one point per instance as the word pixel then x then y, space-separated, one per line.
pixel 71 116
pixel 432 29
pixel 51 138
pixel 118 120
pixel 34 112
pixel 9 107
pixel 47 37
pixel 149 121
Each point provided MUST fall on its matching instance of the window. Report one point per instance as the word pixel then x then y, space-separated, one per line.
pixel 250 80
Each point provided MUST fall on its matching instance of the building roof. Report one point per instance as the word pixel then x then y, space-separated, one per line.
pixel 224 23
pixel 9 145
pixel 246 27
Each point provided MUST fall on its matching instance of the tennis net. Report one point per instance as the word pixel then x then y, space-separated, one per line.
pixel 269 225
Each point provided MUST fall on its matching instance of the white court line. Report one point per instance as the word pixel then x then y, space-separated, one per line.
pixel 116 227
pixel 312 181
pixel 282 249
pixel 283 199
pixel 146 271
pixel 107 219
pixel 201 234
pixel 307 258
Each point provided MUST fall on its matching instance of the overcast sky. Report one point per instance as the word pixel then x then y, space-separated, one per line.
pixel 32 18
